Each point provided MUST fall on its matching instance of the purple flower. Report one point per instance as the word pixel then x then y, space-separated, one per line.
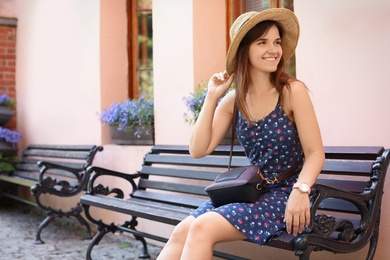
pixel 194 103
pixel 130 113
pixel 10 136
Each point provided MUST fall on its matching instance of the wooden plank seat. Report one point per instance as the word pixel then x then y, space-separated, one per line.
pixel 58 170
pixel 345 201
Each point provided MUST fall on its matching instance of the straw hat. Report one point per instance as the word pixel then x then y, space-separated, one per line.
pixel 247 21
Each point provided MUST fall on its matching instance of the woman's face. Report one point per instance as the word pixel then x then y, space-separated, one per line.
pixel 265 53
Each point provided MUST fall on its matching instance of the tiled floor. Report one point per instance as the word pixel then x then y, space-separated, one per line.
pixel 63 239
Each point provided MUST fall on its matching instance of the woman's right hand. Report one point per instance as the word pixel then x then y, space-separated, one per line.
pixel 219 83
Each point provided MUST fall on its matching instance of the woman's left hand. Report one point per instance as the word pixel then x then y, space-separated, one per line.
pixel 297 214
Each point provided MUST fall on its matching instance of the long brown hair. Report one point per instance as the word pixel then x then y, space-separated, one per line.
pixel 279 78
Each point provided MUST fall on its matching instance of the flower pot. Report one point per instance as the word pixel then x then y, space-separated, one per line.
pixel 8 148
pixel 131 137
pixel 5 115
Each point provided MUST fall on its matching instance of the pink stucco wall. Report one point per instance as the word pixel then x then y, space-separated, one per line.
pixel 343 58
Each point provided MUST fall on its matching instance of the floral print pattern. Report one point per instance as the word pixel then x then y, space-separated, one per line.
pixel 273 144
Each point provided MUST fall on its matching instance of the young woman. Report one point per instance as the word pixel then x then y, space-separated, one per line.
pixel 276 125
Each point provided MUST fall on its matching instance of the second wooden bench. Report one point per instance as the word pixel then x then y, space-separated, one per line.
pixel 58 170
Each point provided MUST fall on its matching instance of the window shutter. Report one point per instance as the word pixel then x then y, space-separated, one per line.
pixel 256 5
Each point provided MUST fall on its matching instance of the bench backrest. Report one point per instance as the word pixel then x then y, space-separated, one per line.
pixel 170 174
pixel 78 157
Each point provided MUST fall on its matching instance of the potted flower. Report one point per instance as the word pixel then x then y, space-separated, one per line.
pixel 9 141
pixel 131 121
pixel 7 105
pixel 194 103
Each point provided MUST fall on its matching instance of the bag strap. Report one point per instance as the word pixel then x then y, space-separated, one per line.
pixel 286 174
pixel 233 130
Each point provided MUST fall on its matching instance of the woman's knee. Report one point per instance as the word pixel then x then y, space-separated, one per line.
pixel 180 232
pixel 203 227
pixel 212 228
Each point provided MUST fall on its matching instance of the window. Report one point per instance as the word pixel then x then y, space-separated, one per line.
pixel 235 8
pixel 140 48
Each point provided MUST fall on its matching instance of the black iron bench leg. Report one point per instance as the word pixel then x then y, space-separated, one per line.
pixel 374 240
pixel 144 253
pixel 42 225
pixel 132 224
pixel 82 221
pixel 302 249
pixel 95 241
pixel 51 214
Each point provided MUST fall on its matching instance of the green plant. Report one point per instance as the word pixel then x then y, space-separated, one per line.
pixel 138 113
pixel 7 162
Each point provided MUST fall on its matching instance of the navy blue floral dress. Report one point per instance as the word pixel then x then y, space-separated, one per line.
pixel 273 144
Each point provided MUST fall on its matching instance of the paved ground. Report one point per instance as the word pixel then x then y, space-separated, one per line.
pixel 63 239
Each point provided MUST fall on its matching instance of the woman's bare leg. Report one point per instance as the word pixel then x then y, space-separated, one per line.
pixel 206 231
pixel 174 247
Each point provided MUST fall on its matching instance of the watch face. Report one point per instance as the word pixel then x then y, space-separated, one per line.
pixel 304 187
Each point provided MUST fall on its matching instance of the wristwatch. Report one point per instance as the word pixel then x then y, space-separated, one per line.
pixel 302 187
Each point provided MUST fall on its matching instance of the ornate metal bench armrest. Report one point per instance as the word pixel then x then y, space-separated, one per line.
pixel 322 192
pixel 325 226
pixel 96 172
pixel 63 186
pixel 45 166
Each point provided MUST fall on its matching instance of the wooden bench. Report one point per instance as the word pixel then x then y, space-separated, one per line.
pixel 171 184
pixel 58 170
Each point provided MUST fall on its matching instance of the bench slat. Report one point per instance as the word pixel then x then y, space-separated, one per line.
pixel 170 214
pixel 192 202
pixel 342 167
pixel 16 180
pixel 32 176
pixel 28 167
pixel 36 168
pixel 56 154
pixel 209 161
pixel 346 185
pixel 332 152
pixel 179 173
pixel 169 186
pixel 85 148
pixel 353 152
pixel 338 205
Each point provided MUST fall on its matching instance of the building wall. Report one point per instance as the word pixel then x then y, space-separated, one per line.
pixel 343 58
pixel 173 68
pixel 58 71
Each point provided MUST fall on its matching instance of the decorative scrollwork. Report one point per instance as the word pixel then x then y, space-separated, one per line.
pixel 347 231
pixel 100 189
pixel 326 225
pixel 48 182
pixel 65 186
